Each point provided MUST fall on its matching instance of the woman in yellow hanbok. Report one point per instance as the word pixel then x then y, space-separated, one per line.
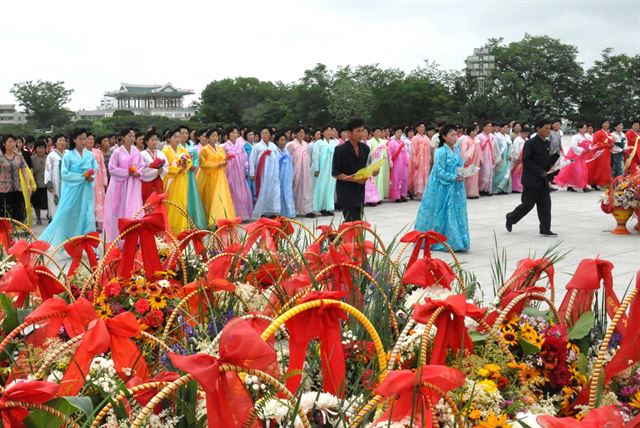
pixel 176 182
pixel 212 181
pixel 28 186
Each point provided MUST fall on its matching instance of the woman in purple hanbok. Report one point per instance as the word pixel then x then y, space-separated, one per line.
pixel 399 163
pixel 237 173
pixel 124 195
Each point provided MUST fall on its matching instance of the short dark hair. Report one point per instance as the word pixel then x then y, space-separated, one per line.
pixel 75 134
pixel 444 131
pixel 581 124
pixel 397 128
pixel 297 129
pixel 469 129
pixel 148 135
pixel 541 123
pixel 616 123
pixel 525 129
pixel 354 123
pixel 55 137
pixel 485 123
pixel 603 120
pixel 126 130
pixel 440 123
pixel 420 123
pixel 210 132
pixel 633 121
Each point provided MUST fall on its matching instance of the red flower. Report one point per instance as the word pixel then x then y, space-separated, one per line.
pixel 153 319
pixel 142 306
pixel 113 289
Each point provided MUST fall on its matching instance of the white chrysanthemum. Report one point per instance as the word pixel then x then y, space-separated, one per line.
pixel 253 297
pixel 327 404
pixel 419 295
pixel 164 283
pixel 273 408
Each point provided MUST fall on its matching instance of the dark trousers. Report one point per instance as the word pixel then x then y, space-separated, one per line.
pixel 352 213
pixel 539 197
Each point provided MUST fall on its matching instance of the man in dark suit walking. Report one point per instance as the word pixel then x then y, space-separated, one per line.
pixel 536 162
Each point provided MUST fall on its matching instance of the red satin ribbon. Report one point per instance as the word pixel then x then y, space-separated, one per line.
pixel 6 234
pixel 219 267
pixel 411 398
pixel 260 171
pixel 74 316
pixel 209 287
pixel 228 403
pixel 226 230
pixel 156 201
pixel 150 224
pixel 354 230
pixel 603 417
pixel 323 323
pixel 85 245
pixel 143 397
pixel 264 230
pixel 340 275
pixel 25 279
pixel 35 392
pixel 196 238
pixel 452 333
pixel 428 272
pixel 113 334
pixel 528 273
pixel 422 240
pixel 23 250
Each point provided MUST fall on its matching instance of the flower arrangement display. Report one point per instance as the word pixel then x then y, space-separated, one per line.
pixel 274 325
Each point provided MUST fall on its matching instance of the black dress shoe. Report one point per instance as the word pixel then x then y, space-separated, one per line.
pixel 326 213
pixel 509 225
pixel 571 189
pixel 586 189
pixel 398 201
pixel 310 215
pixel 594 187
pixel 403 199
pixel 552 189
pixel 548 233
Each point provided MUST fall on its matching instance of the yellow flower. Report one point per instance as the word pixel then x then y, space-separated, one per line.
pixel 635 400
pixel 526 329
pixel 483 372
pixel 104 311
pixel 494 421
pixel 509 337
pixel 511 323
pixel 157 302
pixel 489 386
pixel 475 414
pixel 532 376
pixel 494 369
pixel 532 337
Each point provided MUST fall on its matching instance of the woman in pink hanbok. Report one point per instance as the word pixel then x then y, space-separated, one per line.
pixel 100 181
pixel 471 155
pixel 516 162
pixel 237 173
pixel 124 195
pixel 576 174
pixel 302 185
pixel 371 195
pixel 420 165
pixel 399 163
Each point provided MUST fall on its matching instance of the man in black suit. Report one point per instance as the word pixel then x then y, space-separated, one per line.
pixel 536 162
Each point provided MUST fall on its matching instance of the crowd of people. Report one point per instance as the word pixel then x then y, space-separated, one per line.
pixel 85 182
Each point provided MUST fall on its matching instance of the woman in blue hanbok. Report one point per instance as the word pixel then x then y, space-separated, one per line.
pixel 501 183
pixel 75 215
pixel 194 204
pixel 264 170
pixel 287 202
pixel 444 204
pixel 324 192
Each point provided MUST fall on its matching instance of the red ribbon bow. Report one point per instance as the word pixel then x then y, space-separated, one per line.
pixel 353 230
pixel 528 273
pixel 264 230
pixel 25 279
pixel 34 392
pixel 422 240
pixel 427 271
pixel 226 229
pixel 113 334
pixel 77 247
pixel 150 224
pixel 219 267
pixel 23 250
pixel 74 316
pixel 603 417
pixel 228 403
pixel 411 399
pixel 323 323
pixel 196 238
pixel 452 333
pixel 6 234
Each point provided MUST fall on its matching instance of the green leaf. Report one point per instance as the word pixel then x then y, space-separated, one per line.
pixel 583 365
pixel 582 327
pixel 40 418
pixel 11 321
pixel 535 312
pixel 83 404
pixel 477 337
pixel 528 348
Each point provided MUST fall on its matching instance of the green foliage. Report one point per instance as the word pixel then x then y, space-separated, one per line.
pixel 119 113
pixel 44 102
pixel 582 327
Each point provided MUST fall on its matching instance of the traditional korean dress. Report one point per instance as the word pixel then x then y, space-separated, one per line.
pixel 176 185
pixel 471 155
pixel 399 163
pixel 75 212
pixel 213 185
pixel 100 184
pixel 382 179
pixel 264 166
pixel 287 202
pixel 237 171
pixel 576 173
pixel 501 182
pixel 302 187
pixel 420 164
pixel 516 164
pixel 247 149
pixel 444 204
pixel 152 177
pixel 124 194
pixel 324 192
pixel 599 161
pixel 632 154
pixel 52 175
pixel 485 178
pixel 28 184
pixel 194 204
pixel 371 195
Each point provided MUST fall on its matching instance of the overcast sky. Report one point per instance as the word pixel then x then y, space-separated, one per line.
pixel 93 45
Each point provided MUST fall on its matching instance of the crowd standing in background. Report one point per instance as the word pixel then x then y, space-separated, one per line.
pixel 86 182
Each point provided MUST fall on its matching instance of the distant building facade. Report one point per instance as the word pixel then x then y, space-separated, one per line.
pixel 10 116
pixel 156 100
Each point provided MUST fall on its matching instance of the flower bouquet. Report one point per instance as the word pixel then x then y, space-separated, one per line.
pixel 157 163
pixel 89 173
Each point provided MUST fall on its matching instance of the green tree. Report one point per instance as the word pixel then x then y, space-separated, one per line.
pixel 350 97
pixel 612 88
pixel 309 98
pixel 44 102
pixel 539 73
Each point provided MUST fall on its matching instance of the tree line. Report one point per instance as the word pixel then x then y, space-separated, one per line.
pixel 535 77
